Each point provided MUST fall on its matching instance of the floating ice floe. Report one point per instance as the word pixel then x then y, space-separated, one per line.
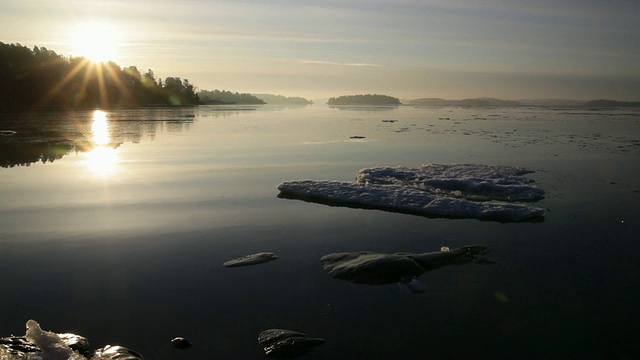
pixel 468 181
pixel 405 268
pixel 252 259
pixel 467 191
pixel 286 344
pixel 7 132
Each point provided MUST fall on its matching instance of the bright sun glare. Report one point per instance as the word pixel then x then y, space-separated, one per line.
pixel 102 160
pixel 95 41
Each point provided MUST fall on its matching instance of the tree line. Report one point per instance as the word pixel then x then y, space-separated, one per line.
pixel 367 99
pixel 217 97
pixel 40 78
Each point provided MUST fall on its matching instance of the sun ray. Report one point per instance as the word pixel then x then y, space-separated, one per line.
pixel 95 74
pixel 58 87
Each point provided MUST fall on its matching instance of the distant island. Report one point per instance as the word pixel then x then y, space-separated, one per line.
pixel 217 97
pixel 367 99
pixel 283 100
pixel 40 78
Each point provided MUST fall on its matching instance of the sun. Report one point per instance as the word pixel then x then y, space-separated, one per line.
pixel 95 41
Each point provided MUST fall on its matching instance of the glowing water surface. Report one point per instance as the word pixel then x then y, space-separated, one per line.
pixel 121 234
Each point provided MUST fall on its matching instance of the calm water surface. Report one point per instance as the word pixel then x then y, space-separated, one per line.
pixel 114 225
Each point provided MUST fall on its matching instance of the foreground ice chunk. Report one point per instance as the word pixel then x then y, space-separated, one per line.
pixel 38 344
pixel 51 344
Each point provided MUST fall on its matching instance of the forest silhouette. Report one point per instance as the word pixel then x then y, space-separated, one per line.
pixel 40 78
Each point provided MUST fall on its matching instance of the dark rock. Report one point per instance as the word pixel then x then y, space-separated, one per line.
pixel 286 344
pixel 181 343
pixel 376 268
pixel 115 352
pixel 76 342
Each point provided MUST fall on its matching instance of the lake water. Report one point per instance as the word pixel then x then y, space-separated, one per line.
pixel 120 234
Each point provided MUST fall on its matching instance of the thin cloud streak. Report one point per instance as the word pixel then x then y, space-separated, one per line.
pixel 319 62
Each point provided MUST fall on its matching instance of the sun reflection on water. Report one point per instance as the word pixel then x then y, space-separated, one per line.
pixel 103 159
pixel 100 128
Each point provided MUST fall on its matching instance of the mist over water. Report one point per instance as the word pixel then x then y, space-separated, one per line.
pixel 115 227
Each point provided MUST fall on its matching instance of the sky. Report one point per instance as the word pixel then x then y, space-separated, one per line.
pixel 517 49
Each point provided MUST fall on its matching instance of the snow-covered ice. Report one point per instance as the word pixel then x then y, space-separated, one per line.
pixel 469 191
pixel 469 181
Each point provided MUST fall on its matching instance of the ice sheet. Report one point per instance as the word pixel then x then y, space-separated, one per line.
pixel 467 191
pixel 469 181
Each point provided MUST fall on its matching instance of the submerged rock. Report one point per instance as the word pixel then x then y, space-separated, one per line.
pixel 252 259
pixel 181 343
pixel 286 344
pixel 377 268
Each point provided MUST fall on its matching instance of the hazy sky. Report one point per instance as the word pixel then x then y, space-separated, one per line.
pixel 577 49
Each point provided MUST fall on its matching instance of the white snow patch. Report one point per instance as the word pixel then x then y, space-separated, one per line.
pixel 52 346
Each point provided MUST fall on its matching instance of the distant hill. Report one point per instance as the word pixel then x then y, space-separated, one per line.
pixel 284 100
pixel 484 101
pixel 463 102
pixel 551 102
pixel 611 103
pixel 217 97
pixel 367 99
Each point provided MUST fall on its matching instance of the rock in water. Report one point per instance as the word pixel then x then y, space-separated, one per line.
pixel 76 342
pixel 252 259
pixel 377 269
pixel 111 352
pixel 181 343
pixel 286 344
